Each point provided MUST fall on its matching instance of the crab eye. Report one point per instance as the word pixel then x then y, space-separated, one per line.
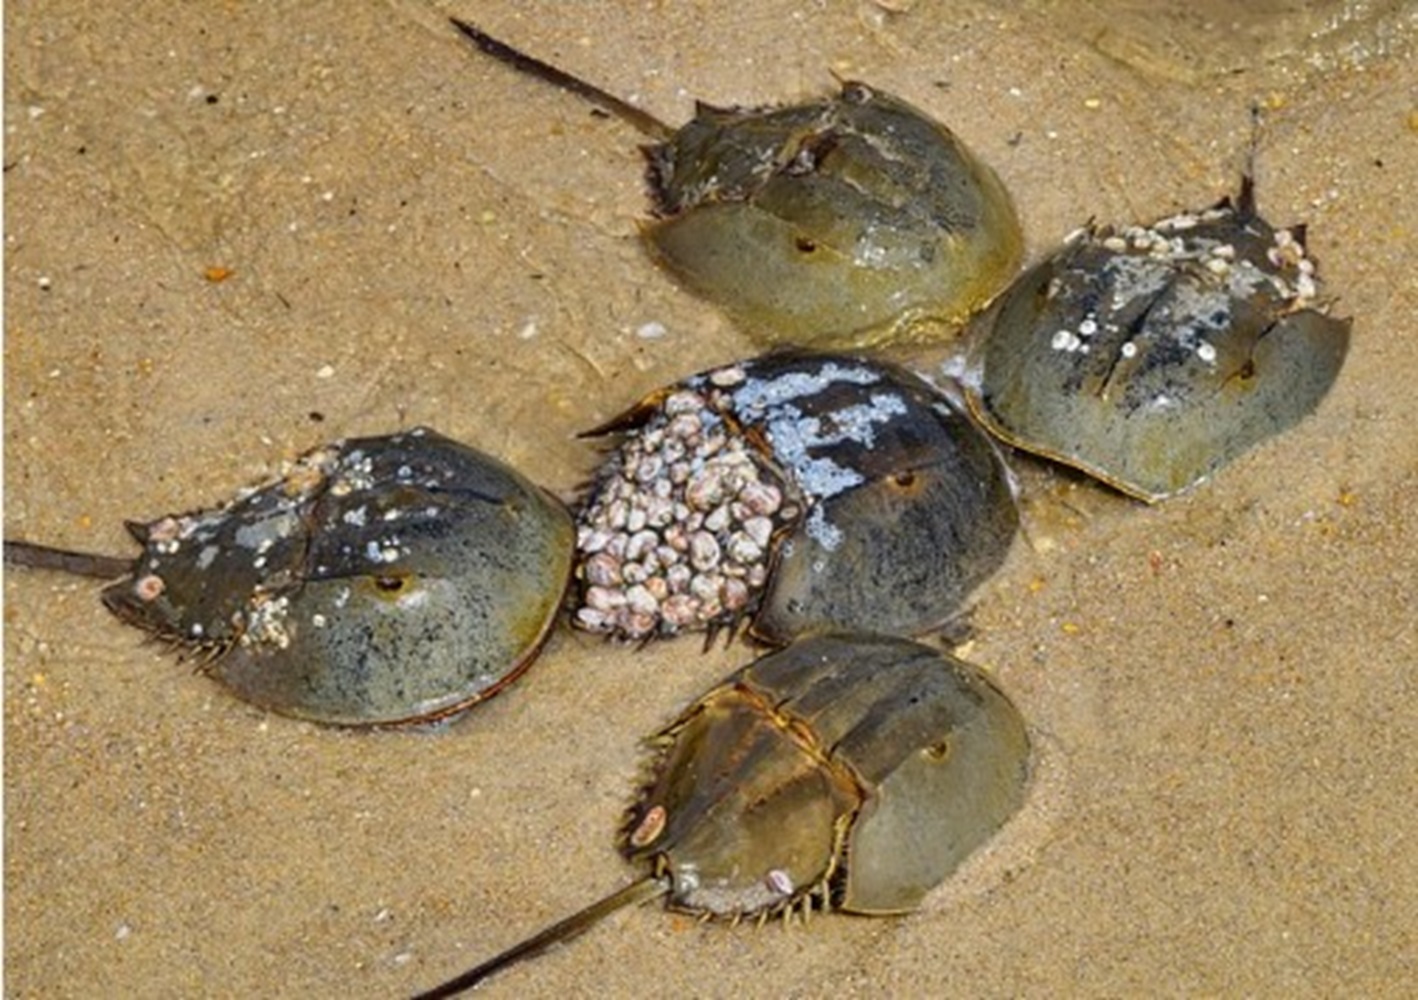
pixel 392 586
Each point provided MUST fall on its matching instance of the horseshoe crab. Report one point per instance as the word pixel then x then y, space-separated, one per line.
pixel 841 222
pixel 799 491
pixel 380 580
pixel 1151 356
pixel 845 772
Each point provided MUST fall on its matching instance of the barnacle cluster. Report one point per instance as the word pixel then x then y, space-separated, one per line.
pixel 677 533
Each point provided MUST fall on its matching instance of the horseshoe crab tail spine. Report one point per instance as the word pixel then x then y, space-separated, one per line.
pixel 31 555
pixel 641 121
pixel 641 891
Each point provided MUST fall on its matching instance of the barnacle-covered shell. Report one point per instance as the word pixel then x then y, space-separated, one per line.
pixel 844 221
pixel 801 491
pixel 862 769
pixel 1152 356
pixel 380 580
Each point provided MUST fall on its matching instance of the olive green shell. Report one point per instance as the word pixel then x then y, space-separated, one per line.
pixel 857 769
pixel 382 580
pixel 847 221
pixel 1150 357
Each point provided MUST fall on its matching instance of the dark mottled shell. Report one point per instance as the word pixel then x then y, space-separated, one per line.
pixel 887 506
pixel 845 221
pixel 1152 356
pixel 381 580
pixel 862 769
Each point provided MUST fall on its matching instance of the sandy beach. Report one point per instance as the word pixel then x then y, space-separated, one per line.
pixel 235 231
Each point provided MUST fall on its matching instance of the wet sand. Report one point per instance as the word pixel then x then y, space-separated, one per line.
pixel 233 233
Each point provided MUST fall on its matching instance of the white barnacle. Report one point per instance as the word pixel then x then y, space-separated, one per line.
pixel 266 621
pixel 640 600
pixel 683 428
pixel 1178 223
pixel 759 529
pixel 679 611
pixel 602 570
pixel 591 540
pixel 728 376
pixel 719 518
pixel 683 401
pixel 779 881
pixel 704 551
pixel 734 594
pixel 604 598
pixel 387 551
pixel 647 468
pixel 743 549
pixel 705 489
pixel 762 498
pixel 165 530
pixel 640 543
pixel 592 620
pixel 678 578
pixel 617 513
pixel 263 534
